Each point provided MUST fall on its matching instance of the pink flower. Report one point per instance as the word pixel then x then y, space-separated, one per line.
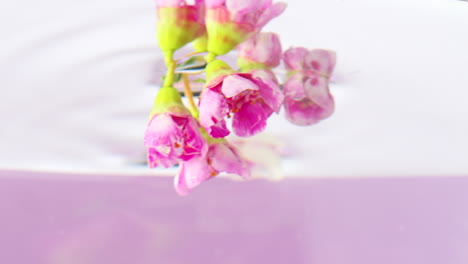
pixel 254 13
pixel 307 96
pixel 220 157
pixel 262 49
pixel 230 22
pixel 246 96
pixel 172 137
pixel 307 99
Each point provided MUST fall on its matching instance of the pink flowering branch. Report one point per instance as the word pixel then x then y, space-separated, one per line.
pixel 241 100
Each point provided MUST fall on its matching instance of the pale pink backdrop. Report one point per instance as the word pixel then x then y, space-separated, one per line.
pixel 140 220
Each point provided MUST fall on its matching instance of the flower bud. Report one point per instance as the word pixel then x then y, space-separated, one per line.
pixel 230 22
pixel 178 23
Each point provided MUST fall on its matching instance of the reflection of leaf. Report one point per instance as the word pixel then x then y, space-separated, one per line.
pixel 177 77
pixel 195 64
pixel 199 80
pixel 193 60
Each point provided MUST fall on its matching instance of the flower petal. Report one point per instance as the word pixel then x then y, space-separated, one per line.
pixel 306 112
pixel 251 119
pixel 215 83
pixel 224 157
pixel 294 87
pixel 241 9
pixel 303 112
pixel 214 3
pixel 191 174
pixel 294 58
pixel 269 88
pixel 235 84
pixel 246 6
pixel 171 138
pixel 194 142
pixel 320 60
pixel 270 12
pixel 161 128
pixel 161 138
pixel 155 159
pixel 316 88
pixel 213 110
pixel 264 48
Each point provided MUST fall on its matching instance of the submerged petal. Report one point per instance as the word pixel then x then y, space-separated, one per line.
pixel 191 174
pixel 225 158
pixel 220 157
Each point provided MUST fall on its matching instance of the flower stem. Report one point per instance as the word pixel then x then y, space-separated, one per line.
pixel 188 93
pixel 171 65
pixel 210 57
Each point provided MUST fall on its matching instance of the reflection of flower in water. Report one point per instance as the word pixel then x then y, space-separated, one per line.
pixel 264 153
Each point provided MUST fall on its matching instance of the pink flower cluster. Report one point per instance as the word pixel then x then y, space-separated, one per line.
pixel 250 98
pixel 238 101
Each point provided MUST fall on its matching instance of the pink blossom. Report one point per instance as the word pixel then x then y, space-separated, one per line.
pixel 220 157
pixel 172 137
pixel 263 48
pixel 307 96
pixel 303 109
pixel 230 22
pixel 245 96
pixel 256 13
